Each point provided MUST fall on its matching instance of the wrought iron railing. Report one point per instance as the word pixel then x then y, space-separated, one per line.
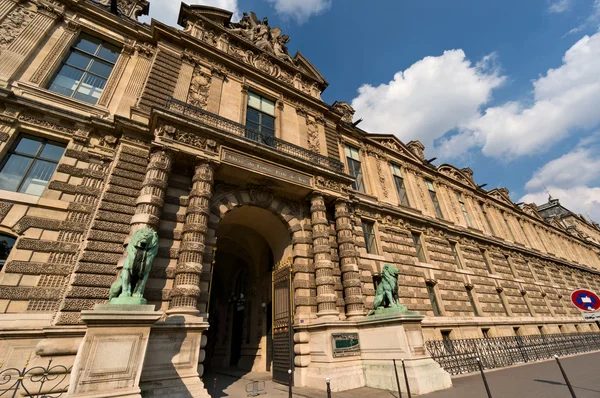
pixel 460 356
pixel 37 381
pixel 230 127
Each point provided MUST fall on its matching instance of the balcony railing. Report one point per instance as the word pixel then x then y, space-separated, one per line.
pixel 460 356
pixel 230 127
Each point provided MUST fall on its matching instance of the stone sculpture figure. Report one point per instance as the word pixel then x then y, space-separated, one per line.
pixel 130 284
pixel 387 291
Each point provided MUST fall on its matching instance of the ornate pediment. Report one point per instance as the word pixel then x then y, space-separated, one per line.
pixel 531 209
pixel 254 42
pixel 501 194
pixel 344 109
pixel 456 174
pixel 128 8
pixel 394 144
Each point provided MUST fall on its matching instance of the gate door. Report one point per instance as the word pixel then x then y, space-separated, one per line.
pixel 283 333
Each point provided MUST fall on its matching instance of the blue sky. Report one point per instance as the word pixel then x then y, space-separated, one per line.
pixel 509 88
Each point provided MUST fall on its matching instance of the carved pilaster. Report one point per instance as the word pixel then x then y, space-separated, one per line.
pixel 186 289
pixel 325 281
pixel 150 202
pixel 353 296
pixel 21 31
pixel 117 73
pixel 53 57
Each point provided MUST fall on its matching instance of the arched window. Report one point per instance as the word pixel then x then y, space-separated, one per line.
pixel 6 244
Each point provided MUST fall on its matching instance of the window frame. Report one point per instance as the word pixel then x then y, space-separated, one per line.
pixel 261 113
pixel 419 247
pixel 359 179
pixel 2 236
pixel 12 151
pixel 462 206
pixel 93 57
pixel 374 249
pixel 400 185
pixel 434 199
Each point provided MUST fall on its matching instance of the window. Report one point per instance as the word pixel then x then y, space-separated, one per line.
pixel 517 331
pixel 260 116
pixel 486 260
pixel 473 303
pixel 399 181
pixel 86 69
pixel 435 305
pixel 419 247
pixel 487 219
pixel 6 244
pixel 457 259
pixel 447 340
pixel 561 329
pixel 486 333
pixel 369 234
pixel 353 159
pixel 30 165
pixel 463 208
pixel 433 195
pixel 541 330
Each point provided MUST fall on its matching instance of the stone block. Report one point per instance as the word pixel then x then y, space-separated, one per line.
pixel 17 306
pixel 9 279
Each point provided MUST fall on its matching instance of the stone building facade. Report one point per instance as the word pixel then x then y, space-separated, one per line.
pixel 217 138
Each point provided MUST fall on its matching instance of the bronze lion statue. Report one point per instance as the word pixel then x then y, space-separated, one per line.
pixel 141 251
pixel 387 290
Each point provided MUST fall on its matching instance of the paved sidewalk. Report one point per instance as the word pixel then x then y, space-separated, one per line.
pixel 535 380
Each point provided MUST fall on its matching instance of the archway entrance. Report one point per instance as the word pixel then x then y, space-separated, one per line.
pixel 250 242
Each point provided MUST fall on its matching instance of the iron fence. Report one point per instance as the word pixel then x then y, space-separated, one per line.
pixel 230 127
pixel 37 381
pixel 460 356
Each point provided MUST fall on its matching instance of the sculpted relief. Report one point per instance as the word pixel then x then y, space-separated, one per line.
pixel 199 88
pixel 263 36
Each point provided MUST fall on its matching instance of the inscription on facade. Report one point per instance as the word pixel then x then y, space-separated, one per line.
pixel 345 344
pixel 263 167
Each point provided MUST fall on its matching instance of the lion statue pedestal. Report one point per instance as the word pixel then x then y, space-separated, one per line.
pixel 360 353
pixel 110 359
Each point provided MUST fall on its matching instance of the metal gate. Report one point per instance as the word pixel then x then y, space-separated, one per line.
pixel 283 333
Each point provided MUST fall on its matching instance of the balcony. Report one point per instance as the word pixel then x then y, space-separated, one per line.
pixel 230 127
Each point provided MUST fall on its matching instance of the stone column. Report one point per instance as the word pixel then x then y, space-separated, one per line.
pixel 353 296
pixel 149 204
pixel 326 297
pixel 186 290
pixel 22 42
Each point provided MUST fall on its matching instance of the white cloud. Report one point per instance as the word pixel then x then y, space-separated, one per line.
pixel 167 11
pixel 559 6
pixel 572 178
pixel 564 100
pixel 593 21
pixel 580 199
pixel 573 169
pixel 434 95
pixel 300 10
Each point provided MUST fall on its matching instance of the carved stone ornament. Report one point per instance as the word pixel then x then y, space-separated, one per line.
pixel 417 148
pixel 199 88
pixel 261 194
pixel 13 24
pixel 312 136
pixel 326 183
pixel 382 181
pixel 165 130
pixel 345 110
pixel 129 8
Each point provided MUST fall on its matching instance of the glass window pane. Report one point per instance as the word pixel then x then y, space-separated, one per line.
pixel 429 185
pixel 267 131
pixel 268 122
pixel 13 172
pixel 78 60
pixel 6 244
pixel 100 68
pixel 109 53
pixel 38 177
pixel 28 146
pixel 253 100
pixel 268 107
pixel 52 152
pixel 66 81
pixel 252 125
pixel 88 44
pixel 253 116
pixel 90 89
